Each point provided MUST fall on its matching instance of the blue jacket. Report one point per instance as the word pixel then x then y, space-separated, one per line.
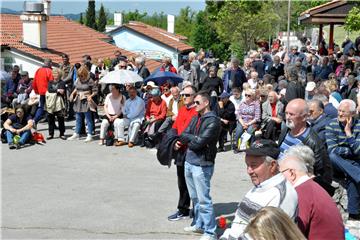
pixel 320 124
pixel 240 78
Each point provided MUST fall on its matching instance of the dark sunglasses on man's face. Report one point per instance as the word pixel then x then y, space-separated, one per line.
pixel 185 95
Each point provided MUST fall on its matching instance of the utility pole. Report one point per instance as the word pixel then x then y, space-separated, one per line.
pixel 288 28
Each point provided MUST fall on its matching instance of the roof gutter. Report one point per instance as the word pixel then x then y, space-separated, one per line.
pixel 303 17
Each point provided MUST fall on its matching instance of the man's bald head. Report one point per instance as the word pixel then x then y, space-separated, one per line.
pixel 299 105
pixel 296 113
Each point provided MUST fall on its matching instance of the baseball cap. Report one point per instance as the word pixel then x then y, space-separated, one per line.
pixel 224 95
pixel 264 147
pixel 310 86
pixel 24 73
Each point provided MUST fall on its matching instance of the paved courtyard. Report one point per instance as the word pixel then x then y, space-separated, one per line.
pixel 82 190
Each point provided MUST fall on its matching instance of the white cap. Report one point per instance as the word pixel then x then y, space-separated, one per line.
pixel 310 86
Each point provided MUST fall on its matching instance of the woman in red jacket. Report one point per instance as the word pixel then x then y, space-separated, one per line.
pixel 155 114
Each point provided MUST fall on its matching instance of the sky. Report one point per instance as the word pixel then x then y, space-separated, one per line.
pixel 150 6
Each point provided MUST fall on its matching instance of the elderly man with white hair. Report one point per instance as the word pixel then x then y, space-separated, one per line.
pixel 318 216
pixel 142 71
pixel 270 187
pixel 343 143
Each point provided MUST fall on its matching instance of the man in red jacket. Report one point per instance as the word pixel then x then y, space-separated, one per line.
pixel 183 119
pixel 40 85
pixel 318 217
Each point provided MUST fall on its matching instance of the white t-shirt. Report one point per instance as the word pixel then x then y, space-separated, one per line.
pixel 235 101
pixel 167 99
pixel 252 83
pixel 114 106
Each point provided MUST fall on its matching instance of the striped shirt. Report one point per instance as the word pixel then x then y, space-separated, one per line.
pixel 336 137
pixel 292 141
pixel 248 112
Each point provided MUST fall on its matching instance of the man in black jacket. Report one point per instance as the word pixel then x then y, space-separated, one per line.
pixel 277 69
pixel 201 136
pixel 298 132
pixel 227 117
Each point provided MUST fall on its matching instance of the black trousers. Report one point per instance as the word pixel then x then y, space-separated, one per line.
pixel 271 130
pixel 184 198
pixel 51 121
pixel 225 128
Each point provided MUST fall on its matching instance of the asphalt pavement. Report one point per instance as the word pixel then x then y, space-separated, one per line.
pixel 77 190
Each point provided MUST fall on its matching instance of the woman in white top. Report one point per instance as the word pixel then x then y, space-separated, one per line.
pixel 113 106
pixel 166 96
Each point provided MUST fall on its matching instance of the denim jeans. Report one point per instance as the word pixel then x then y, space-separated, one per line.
pixel 198 184
pixel 239 131
pixel 352 169
pixel 89 122
pixel 40 110
pixel 24 137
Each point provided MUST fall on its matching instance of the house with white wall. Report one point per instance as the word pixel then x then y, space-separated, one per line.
pixel 155 43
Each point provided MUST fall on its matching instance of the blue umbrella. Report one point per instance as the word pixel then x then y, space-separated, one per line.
pixel 159 78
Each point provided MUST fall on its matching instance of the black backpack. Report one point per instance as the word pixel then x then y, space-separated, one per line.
pixel 109 138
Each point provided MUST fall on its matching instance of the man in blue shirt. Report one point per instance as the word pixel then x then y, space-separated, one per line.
pixel 343 144
pixel 133 112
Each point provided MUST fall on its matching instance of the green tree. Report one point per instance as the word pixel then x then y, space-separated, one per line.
pixel 81 20
pixel 133 16
pixel 241 23
pixel 204 36
pixel 102 19
pixel 184 22
pixel 91 15
pixel 352 22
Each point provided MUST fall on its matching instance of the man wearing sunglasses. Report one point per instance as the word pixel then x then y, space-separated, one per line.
pixel 201 137
pixel 185 114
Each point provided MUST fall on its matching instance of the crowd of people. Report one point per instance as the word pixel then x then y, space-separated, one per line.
pixel 294 113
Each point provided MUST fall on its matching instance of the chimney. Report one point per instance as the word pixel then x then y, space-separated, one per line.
pixel 35 24
pixel 170 23
pixel 47 4
pixel 118 19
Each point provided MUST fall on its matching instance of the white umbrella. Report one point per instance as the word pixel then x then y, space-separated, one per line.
pixel 121 77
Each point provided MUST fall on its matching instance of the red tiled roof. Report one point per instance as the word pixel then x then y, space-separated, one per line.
pixel 172 40
pixel 64 36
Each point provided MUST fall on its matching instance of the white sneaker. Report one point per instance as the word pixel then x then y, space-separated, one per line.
pixel 75 136
pixel 193 229
pixel 208 237
pixel 88 138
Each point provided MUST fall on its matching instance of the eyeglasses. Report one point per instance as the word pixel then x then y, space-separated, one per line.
pixel 197 103
pixel 285 170
pixel 247 95
pixel 185 95
pixel 123 67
